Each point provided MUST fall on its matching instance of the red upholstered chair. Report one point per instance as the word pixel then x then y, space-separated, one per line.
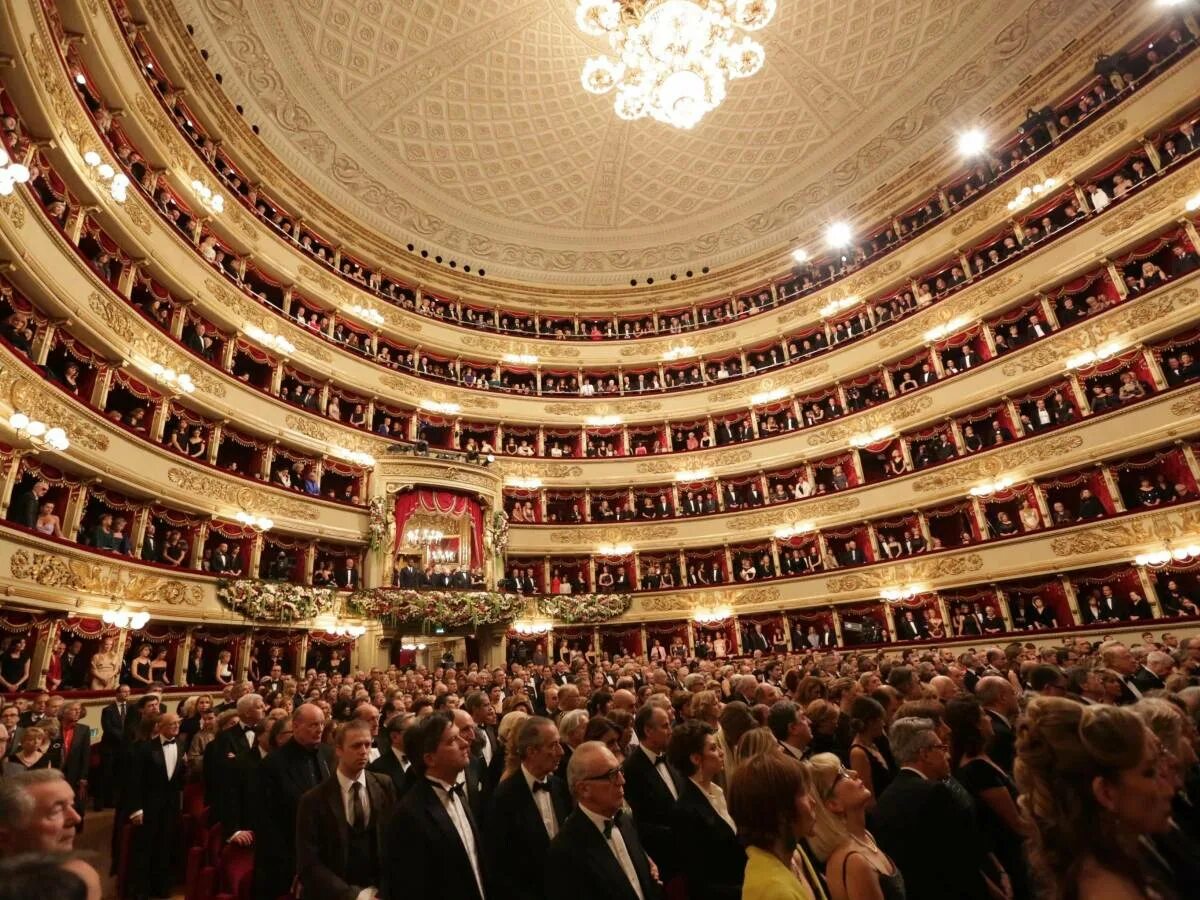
pixel 194 821
pixel 235 875
pixel 124 849
pixel 200 878
pixel 676 888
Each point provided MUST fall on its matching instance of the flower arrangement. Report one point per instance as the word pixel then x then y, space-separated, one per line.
pixel 496 533
pixel 275 601
pixel 379 522
pixel 577 609
pixel 448 609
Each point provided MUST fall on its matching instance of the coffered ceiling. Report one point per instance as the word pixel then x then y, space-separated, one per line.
pixel 461 125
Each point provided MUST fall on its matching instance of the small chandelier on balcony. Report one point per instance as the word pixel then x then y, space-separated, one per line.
pixel 671 59
pixel 424 537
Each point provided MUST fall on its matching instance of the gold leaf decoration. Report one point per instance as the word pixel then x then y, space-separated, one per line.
pixel 790 512
pixel 242 496
pixel 871 420
pixel 877 577
pixel 718 459
pixel 110 580
pixel 992 465
pixel 612 534
pixel 1128 533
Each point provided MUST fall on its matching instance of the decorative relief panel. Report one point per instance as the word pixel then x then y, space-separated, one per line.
pixel 965 305
pixel 871 420
pixel 418 472
pixel 591 408
pixel 1156 199
pixel 35 397
pixel 543 350
pixel 411 386
pixel 773 518
pixel 785 380
pixel 964 473
pixel 1131 534
pixel 612 534
pixel 248 498
pixel 689 600
pixel 120 583
pixel 508 467
pixel 13 210
pixel 905 573
pixel 721 458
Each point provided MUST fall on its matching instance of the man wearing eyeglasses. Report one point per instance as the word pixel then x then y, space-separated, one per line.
pixel 919 793
pixel 597 854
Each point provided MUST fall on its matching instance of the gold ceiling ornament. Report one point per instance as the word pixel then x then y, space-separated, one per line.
pixel 672 59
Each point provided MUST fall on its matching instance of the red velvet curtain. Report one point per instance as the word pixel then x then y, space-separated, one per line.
pixel 443 503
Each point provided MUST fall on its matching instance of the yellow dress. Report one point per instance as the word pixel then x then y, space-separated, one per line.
pixel 769 879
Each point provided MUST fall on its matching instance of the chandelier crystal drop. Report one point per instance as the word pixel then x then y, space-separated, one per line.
pixel 671 59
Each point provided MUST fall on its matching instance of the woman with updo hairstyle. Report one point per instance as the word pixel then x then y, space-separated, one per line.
pixel 1091 783
pixel 706 707
pixel 868 720
pixel 736 720
pixel 824 718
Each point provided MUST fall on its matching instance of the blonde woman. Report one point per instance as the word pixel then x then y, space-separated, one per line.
pixel 509 726
pixel 855 867
pixel 31 754
pixel 754 742
pixel 104 665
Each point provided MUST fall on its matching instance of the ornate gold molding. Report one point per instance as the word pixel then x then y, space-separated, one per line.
pixel 38 398
pixel 782 516
pixel 53 570
pixel 487 480
pixel 590 536
pixel 870 420
pixel 239 495
pixel 1130 533
pixel 996 463
pixel 689 600
pixel 720 459
pixel 905 573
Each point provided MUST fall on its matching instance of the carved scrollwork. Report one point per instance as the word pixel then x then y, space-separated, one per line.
pixel 875 578
pixel 242 496
pixel 612 534
pixel 995 464
pixel 53 570
pixel 871 420
pixel 719 459
pixel 772 518
pixel 1128 534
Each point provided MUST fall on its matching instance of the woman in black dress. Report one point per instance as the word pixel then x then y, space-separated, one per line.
pixel 868 721
pixel 14 668
pixel 994 792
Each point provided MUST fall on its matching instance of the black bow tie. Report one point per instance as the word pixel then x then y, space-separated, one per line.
pixel 541 786
pixel 660 760
pixel 609 823
pixel 168 742
pixel 455 790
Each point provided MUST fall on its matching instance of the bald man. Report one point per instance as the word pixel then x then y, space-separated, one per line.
pixel 155 787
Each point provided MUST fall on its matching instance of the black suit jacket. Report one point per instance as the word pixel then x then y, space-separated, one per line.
pixel 516 837
pixel 653 809
pixel 421 853
pixel 24 509
pixel 1003 746
pixel 951 873
pixel 388 764
pixel 323 836
pixel 284 777
pixel 221 783
pixel 581 866
pixel 1145 680
pixel 112 724
pixel 711 859
pixel 77 761
pixel 157 796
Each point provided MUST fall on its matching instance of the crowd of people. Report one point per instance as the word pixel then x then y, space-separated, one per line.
pixel 1064 771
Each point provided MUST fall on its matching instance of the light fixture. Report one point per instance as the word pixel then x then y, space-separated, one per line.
pixel 907 592
pixel 1168 555
pixel 437 406
pixel 614 549
pixel 80 78
pixel 872 437
pixel 833 307
pixel 784 532
pixel 38 433
pixel 839 235
pixel 800 255
pixel 270 340
pixel 693 474
pixel 442 555
pixel 366 313
pixel 1091 357
pixel 258 523
pixel 768 396
pixel 209 199
pixel 710 615
pixel 603 421
pixel 520 359
pixel 523 482
pixel 354 631
pixel 424 537
pixel 117 182
pixel 121 618
pixel 169 378
pixel 972 143
pixel 679 352
pixel 1192 204
pixel 11 173
pixel 1029 193
pixel 411 645
pixel 992 487
pixel 359 458
pixel 671 59
pixel 940 331
pixel 532 628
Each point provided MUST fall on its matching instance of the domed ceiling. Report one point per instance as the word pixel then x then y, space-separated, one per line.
pixel 461 125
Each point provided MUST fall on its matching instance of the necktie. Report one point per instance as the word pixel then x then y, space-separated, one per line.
pixel 121 709
pixel 540 786
pixel 358 814
pixel 608 827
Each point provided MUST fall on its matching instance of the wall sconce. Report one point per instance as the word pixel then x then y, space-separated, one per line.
pixel 209 199
pixel 680 352
pixel 354 631
pixel 38 433
pixel 834 307
pixel 906 592
pixel 1192 204
pixel 524 482
pixel 410 645
pixel 258 523
pixel 531 628
pixel 992 487
pixel 366 460
pixel 1167 555
pixel 711 616
pixel 787 531
pixel 940 331
pixel 118 182
pixel 1091 357
pixel 603 421
pixel 520 359
pixel 11 173
pixel 169 378
pixel 614 549
pixel 800 256
pixel 123 619
pixel 436 406
pixel 1029 193
pixel 366 313
pixel 768 396
pixel 872 437
pixel 276 342
pixel 693 474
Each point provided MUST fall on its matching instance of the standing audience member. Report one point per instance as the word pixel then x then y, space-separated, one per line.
pixel 37 813
pixel 653 787
pixel 155 788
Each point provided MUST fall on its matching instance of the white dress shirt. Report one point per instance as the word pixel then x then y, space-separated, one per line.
pixel 616 842
pixel 664 772
pixel 489 749
pixel 344 784
pixel 170 757
pixel 716 797
pixel 457 811
pixel 545 806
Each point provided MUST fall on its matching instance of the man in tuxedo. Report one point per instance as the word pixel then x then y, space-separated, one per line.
pixel 910 629
pixel 758 640
pixel 483 713
pixel 151 551
pixel 223 562
pixel 393 761
pixel 74 667
pixel 24 508
pixel 347 578
pixel 851 555
pixel 791 728
pixel 1116 656
pixel 155 786
pixel 1152 674
pixel 526 584
pixel 653 786
pixel 76 755
pixel 999 700
pixel 919 794
pixel 407 576
pixel 526 813
pixel 112 743
pixel 338 822
pixel 284 777
pixel 431 847
pixel 1112 607
pixel 828 636
pixel 597 854
pixel 223 787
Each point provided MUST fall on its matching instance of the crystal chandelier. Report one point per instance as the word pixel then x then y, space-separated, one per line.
pixel 671 58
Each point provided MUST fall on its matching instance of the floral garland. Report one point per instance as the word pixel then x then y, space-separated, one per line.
pixel 275 601
pixel 448 609
pixel 576 609
pixel 496 533
pixel 378 523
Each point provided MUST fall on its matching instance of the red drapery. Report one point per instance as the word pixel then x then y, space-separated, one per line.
pixel 441 503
